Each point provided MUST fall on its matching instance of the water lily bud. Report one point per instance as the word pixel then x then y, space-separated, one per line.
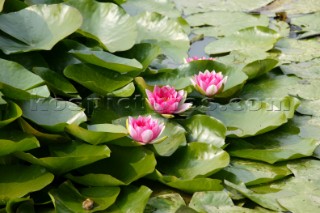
pixel 209 83
pixel 144 130
pixel 166 100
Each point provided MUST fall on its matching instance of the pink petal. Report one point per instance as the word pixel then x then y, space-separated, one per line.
pixel 183 107
pixel 146 136
pixel 211 90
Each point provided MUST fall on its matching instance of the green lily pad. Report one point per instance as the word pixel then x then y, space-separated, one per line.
pixel 67 198
pixel 293 50
pixel 56 82
pixel 307 69
pixel 280 145
pixel 125 91
pixel 292 7
pixel 248 118
pixel 309 24
pixel 189 7
pixel 95 180
pixel 252 173
pixel 17 181
pixel 165 7
pixel 67 157
pixel 224 23
pixel 135 162
pixel 1 4
pixel 107 60
pixel 194 160
pixel 97 134
pixel 97 79
pixel 281 27
pixel 38 27
pixel 20 204
pixel 204 201
pixel 14 141
pixel 21 84
pixel 305 169
pixel 107 23
pixel 206 129
pixel 251 39
pixel 190 185
pixel 11 113
pixel 131 198
pixel 165 203
pixel 42 136
pixel 180 77
pixel 53 114
pixel 309 108
pixel 167 33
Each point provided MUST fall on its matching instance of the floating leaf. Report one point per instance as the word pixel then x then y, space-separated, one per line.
pixel 168 33
pixel 17 181
pixel 97 134
pixel 292 7
pixel 309 108
pixel 189 7
pixel 293 50
pixel 66 157
pixel 131 198
pixel 56 82
pixel 38 27
pixel 107 23
pixel 307 69
pixel 97 79
pixel 252 173
pixel 53 114
pixel 164 7
pixel 14 141
pixel 206 129
pixel 194 160
pixel 67 198
pixel 165 203
pixel 223 23
pixel 203 201
pixel 107 60
pixel 309 24
pixel 250 39
pixel 21 84
pixel 248 118
pixel 135 162
pixel 11 113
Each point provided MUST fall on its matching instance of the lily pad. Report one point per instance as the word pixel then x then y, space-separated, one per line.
pixel 223 23
pixel 21 84
pixel 67 198
pixel 132 198
pixel 164 7
pixel 248 118
pixel 309 108
pixel 194 160
pixel 203 201
pixel 206 129
pixel 293 50
pixel 97 79
pixel 279 145
pixel 189 7
pixel 38 27
pixel 306 69
pixel 135 162
pixel 107 60
pixel 14 141
pixel 11 113
pixel 53 114
pixel 97 134
pixel 292 7
pixel 165 203
pixel 107 23
pixel 189 186
pixel 17 181
pixel 252 173
pixel 251 39
pixel 67 157
pixel 166 32
pixel 309 24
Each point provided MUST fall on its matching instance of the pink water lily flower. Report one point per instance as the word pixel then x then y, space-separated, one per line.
pixel 196 58
pixel 209 83
pixel 166 100
pixel 144 129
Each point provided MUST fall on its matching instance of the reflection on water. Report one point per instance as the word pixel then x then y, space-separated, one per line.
pixel 197 48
